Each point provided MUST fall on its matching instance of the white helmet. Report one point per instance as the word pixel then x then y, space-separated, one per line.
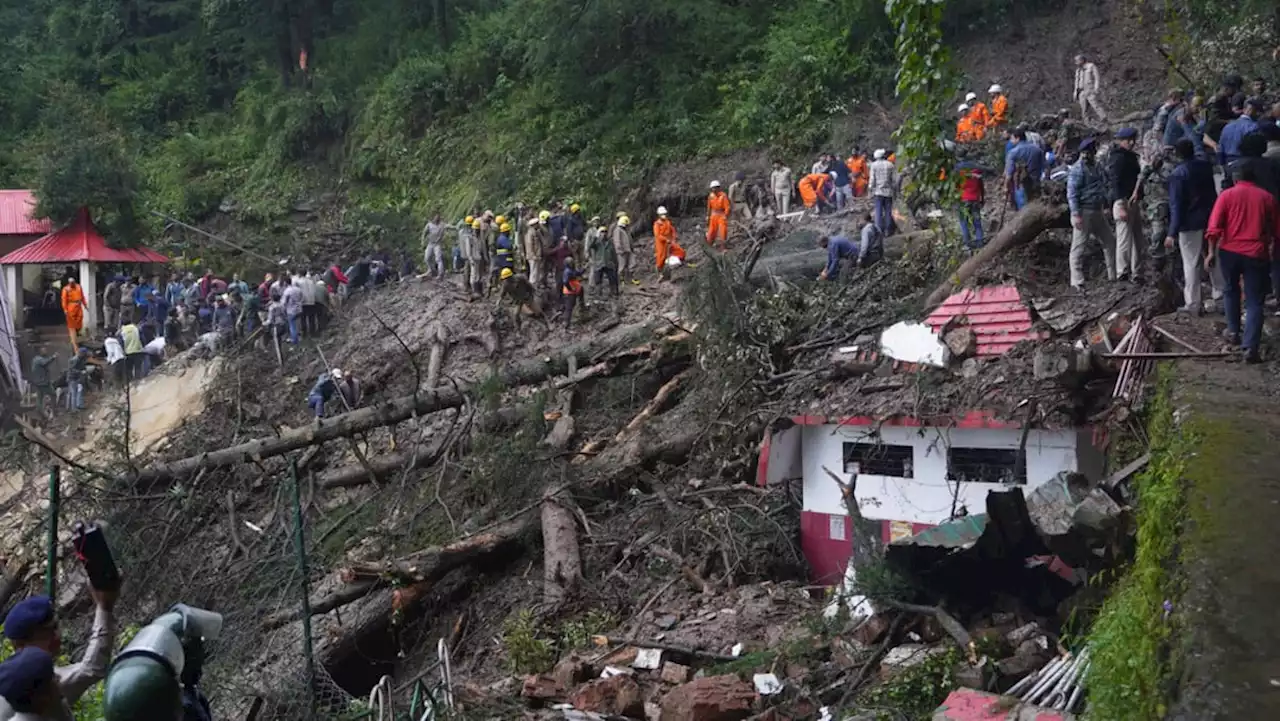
pixel 970 97
pixel 964 108
pixel 715 184
pixel 337 373
pixel 879 154
pixel 662 210
pixel 995 89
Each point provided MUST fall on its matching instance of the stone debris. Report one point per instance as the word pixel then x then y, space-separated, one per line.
pixel 714 698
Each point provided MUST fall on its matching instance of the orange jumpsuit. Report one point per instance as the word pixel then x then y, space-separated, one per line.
pixel 964 129
pixel 718 207
pixel 857 165
pixel 664 242
pixel 72 306
pixel 999 110
pixel 811 187
pixel 980 116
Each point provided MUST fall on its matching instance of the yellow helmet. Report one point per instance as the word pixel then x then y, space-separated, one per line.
pixel 477 225
pixel 624 221
pixel 469 219
pixel 506 273
pixel 505 227
pixel 574 208
pixel 500 220
pixel 544 215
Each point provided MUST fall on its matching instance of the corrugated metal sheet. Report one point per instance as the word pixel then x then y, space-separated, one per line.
pixel 995 313
pixel 76 242
pixel 966 704
pixel 15 214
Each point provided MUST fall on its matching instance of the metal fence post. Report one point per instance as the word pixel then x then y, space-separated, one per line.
pixel 51 572
pixel 300 538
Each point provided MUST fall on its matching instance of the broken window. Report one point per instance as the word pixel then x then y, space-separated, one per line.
pixel 878 459
pixel 986 465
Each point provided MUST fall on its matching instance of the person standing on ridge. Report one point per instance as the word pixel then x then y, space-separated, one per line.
pixel 718 209
pixel 780 183
pixel 1087 87
pixel 664 242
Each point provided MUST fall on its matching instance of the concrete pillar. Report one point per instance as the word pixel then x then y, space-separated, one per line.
pixel 13 292
pixel 89 284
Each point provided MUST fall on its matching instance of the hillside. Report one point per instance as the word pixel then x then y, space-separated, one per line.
pixel 392 108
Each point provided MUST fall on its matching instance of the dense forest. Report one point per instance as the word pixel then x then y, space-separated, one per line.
pixel 186 106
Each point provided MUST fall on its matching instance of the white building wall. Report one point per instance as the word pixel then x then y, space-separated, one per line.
pixel 926 498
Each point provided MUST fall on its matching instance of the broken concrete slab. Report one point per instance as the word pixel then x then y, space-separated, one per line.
pixel 962 342
pixel 967 704
pixel 908 655
pixel 912 342
pixel 674 673
pixel 713 698
pixel 1075 518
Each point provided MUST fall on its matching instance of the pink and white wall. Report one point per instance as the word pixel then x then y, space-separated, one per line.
pixel 928 474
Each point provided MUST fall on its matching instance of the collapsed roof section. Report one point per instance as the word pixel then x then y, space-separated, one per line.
pixel 991 351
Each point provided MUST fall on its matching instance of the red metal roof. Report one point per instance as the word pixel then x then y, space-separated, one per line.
pixel 995 313
pixel 15 214
pixel 76 242
pixel 968 705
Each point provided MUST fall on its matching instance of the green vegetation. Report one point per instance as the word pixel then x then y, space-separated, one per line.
pixel 1129 641
pixel 180 105
pixel 917 691
pixel 533 647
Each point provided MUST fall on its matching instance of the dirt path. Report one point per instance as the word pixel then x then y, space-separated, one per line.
pixel 1232 662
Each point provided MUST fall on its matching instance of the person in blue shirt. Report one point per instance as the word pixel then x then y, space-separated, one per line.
pixel 838 247
pixel 142 295
pixel 843 183
pixel 505 250
pixel 1191 199
pixel 173 291
pixel 1234 134
pixel 325 388
pixel 1023 168
pixel 570 290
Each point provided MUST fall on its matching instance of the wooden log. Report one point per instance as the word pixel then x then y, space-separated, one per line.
pixel 562 558
pixel 1035 218
pixel 439 344
pixel 377 416
pixel 348 594
pixel 433 563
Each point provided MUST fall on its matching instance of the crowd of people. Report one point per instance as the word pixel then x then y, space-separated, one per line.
pixel 1199 187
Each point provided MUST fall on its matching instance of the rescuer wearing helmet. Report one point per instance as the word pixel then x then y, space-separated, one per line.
pixel 524 297
pixel 665 246
pixel 718 209
pixel 537 241
pixel 999 106
pixel 624 246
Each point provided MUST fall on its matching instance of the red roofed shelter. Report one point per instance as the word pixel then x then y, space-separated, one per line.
pixel 77 243
pixel 17 226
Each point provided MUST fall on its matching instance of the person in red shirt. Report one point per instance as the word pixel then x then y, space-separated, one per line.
pixel 973 194
pixel 1243 230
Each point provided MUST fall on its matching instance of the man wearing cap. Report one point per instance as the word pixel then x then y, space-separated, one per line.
pixel 32 628
pixel 1234 133
pixel 28 691
pixel 1123 171
pixel 1088 193
pixel 884 186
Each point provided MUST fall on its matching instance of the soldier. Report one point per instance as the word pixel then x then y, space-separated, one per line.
pixel 1154 184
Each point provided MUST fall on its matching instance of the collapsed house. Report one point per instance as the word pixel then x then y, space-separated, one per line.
pixel 927 419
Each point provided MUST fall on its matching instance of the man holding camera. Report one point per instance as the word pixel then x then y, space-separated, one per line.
pixel 32 624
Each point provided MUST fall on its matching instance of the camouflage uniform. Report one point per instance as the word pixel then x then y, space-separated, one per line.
pixel 1154 181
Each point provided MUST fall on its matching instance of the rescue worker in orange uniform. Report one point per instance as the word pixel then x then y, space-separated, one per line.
pixel 664 241
pixel 857 164
pixel 964 126
pixel 999 106
pixel 813 190
pixel 73 307
pixel 718 207
pixel 978 112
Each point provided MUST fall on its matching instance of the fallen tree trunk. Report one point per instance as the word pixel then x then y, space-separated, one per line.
pixel 1035 218
pixel 379 468
pixel 383 414
pixel 433 563
pixel 347 594
pixel 562 559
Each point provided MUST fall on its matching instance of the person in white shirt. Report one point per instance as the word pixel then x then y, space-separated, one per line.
pixel 780 182
pixel 115 354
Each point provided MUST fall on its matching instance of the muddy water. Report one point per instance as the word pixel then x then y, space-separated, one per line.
pixel 1231 607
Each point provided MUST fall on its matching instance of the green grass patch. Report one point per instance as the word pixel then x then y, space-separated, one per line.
pixel 1130 638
